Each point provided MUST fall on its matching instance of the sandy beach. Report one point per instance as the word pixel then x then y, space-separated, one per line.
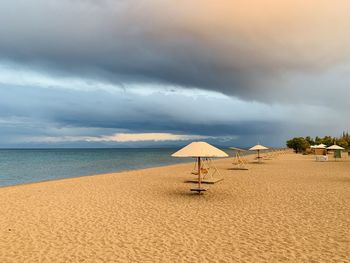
pixel 289 209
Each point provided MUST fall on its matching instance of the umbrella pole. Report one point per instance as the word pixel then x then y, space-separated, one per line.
pixel 199 172
pixel 259 156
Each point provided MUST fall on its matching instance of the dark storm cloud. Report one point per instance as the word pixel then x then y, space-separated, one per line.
pixel 57 108
pixel 40 117
pixel 242 48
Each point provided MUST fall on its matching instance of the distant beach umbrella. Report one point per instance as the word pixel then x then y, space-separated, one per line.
pixel 258 148
pixel 199 150
pixel 237 149
pixel 321 146
pixel 335 147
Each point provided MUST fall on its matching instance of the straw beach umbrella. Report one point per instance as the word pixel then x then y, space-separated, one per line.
pixel 258 148
pixel 335 147
pixel 199 150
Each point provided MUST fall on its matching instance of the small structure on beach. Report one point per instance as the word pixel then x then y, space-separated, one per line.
pixel 239 160
pixel 320 152
pixel 320 149
pixel 258 148
pixel 336 149
pixel 199 150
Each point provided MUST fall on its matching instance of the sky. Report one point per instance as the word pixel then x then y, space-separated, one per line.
pixel 161 73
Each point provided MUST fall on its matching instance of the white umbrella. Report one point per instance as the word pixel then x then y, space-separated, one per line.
pixel 335 147
pixel 258 148
pixel 321 146
pixel 199 150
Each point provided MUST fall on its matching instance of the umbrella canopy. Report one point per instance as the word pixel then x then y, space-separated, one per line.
pixel 335 147
pixel 237 149
pixel 199 149
pixel 258 147
pixel 320 146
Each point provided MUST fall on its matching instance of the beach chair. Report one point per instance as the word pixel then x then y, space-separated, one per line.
pixel 208 172
pixel 204 169
pixel 267 156
pixel 239 162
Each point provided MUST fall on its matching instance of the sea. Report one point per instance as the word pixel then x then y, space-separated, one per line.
pixel 20 166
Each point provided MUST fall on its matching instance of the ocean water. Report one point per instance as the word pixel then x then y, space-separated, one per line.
pixel 18 166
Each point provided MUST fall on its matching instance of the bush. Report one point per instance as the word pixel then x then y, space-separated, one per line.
pixel 299 144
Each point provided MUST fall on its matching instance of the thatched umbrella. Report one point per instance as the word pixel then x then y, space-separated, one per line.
pixel 258 148
pixel 199 150
pixel 335 147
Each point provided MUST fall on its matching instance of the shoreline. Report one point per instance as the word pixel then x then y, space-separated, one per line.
pixel 94 175
pixel 91 175
pixel 113 172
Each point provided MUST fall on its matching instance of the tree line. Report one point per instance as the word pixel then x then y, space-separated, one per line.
pixel 300 144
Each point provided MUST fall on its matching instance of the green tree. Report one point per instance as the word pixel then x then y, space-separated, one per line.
pixel 328 140
pixel 310 140
pixel 343 143
pixel 299 144
pixel 318 140
pixel 345 138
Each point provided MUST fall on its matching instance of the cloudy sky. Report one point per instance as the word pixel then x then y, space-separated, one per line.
pixel 131 73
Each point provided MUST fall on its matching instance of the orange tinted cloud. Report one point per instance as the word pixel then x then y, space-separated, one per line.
pixel 237 47
pixel 120 137
pixel 291 32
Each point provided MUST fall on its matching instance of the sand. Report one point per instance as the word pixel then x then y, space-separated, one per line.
pixel 290 209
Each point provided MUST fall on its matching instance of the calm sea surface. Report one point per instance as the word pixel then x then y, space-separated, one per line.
pixel 18 166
